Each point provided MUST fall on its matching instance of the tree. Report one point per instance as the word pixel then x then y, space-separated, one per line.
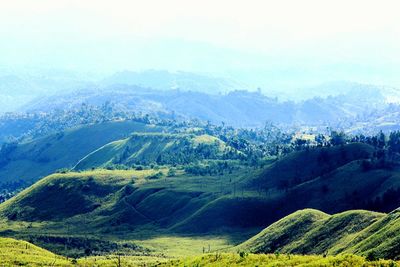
pixel 337 138
pixel 394 142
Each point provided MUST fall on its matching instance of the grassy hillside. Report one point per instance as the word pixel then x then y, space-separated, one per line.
pixel 38 158
pixel 144 207
pixel 305 165
pixel 380 239
pixel 160 148
pixel 347 187
pixel 20 253
pixel 125 206
pixel 284 232
pixel 229 212
pixel 60 196
pixel 374 235
pixel 331 179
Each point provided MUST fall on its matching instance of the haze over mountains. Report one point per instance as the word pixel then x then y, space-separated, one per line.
pixel 208 98
pixel 199 133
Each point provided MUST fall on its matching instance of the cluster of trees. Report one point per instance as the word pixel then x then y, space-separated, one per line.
pixel 389 142
pixel 184 152
pixel 5 194
pixel 210 168
pixel 253 145
pixel 385 203
pixel 9 189
pixel 30 125
pixel 5 152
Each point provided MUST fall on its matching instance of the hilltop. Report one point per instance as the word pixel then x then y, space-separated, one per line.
pixel 19 253
pixel 158 148
pixel 173 201
pixel 361 232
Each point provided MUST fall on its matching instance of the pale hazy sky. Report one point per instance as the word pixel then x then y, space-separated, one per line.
pixel 351 39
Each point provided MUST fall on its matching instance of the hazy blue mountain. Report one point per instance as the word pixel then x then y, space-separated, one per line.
pixel 19 88
pixel 164 80
pixel 237 108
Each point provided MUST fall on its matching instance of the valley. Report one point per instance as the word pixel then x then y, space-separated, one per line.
pixel 199 133
pixel 152 192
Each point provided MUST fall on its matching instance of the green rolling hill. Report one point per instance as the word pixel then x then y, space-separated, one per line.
pixel 303 166
pixel 30 161
pixel 138 205
pixel 61 196
pixel 21 253
pixel 371 234
pixel 157 148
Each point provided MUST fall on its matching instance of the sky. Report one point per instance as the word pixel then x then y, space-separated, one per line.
pixel 272 43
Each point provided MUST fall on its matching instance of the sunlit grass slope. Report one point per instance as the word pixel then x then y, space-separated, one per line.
pixel 147 148
pixel 226 259
pixel 20 253
pixel 63 195
pixel 370 234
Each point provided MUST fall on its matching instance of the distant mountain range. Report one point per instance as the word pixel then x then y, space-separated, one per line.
pixel 237 108
pixel 164 80
pixel 344 105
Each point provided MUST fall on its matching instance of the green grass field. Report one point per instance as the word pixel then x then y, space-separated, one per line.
pixel 20 253
pixel 226 259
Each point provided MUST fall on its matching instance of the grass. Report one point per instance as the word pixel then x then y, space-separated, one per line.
pixel 147 148
pixel 305 165
pixel 178 246
pixel 41 157
pixel 20 253
pixel 233 259
pixel 118 206
pixel 60 196
pixel 284 232
pixel 125 261
pixel 380 239
pixel 179 215
pixel 371 234
pixel 126 206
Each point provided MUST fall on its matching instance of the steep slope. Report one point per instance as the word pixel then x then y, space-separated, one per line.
pixel 188 203
pixel 120 204
pixel 60 196
pixel 105 201
pixel 230 212
pixel 380 240
pixel 21 253
pixel 160 148
pixel 332 179
pixel 30 161
pixel 314 232
pixel 348 187
pixel 303 166
pixel 283 232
